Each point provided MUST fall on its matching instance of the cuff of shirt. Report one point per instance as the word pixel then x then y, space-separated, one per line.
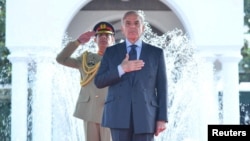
pixel 120 70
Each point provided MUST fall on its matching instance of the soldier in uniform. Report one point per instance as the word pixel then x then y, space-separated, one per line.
pixel 89 106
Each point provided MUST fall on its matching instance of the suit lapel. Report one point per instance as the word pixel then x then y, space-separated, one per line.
pixel 121 50
pixel 144 52
pixel 143 56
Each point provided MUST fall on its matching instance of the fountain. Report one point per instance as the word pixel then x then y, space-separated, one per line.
pixel 193 101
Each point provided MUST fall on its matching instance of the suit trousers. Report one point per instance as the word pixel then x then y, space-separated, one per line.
pixel 95 132
pixel 124 134
pixel 127 135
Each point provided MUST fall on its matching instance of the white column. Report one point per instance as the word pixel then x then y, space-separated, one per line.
pixel 19 97
pixel 213 113
pixel 230 79
pixel 42 106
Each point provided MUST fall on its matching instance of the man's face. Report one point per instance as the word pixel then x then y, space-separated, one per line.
pixel 104 39
pixel 132 27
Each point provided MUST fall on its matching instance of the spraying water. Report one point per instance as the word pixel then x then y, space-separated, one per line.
pixel 192 100
pixel 189 85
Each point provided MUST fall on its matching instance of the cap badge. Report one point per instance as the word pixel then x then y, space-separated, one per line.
pixel 103 26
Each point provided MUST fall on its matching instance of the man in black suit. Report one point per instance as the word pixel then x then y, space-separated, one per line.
pixel 136 105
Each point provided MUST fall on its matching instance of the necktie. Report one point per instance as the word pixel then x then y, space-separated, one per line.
pixel 132 56
pixel 132 52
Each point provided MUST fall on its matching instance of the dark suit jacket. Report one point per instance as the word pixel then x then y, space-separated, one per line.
pixel 146 96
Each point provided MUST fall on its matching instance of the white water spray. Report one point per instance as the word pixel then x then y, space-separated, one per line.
pixel 192 102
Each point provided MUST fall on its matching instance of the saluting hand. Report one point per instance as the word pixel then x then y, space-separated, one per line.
pixel 85 37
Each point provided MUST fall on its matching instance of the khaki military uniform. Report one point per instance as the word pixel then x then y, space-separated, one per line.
pixel 89 106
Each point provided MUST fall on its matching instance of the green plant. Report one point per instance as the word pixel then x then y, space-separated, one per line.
pixel 5 64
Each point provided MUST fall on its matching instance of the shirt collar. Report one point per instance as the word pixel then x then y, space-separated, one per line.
pixel 138 43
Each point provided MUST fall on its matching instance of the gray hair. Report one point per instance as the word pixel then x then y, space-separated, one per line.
pixel 139 13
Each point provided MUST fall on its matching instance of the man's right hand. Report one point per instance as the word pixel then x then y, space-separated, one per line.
pixel 131 65
pixel 85 37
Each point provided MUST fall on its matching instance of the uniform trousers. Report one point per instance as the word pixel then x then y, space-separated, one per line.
pixel 95 132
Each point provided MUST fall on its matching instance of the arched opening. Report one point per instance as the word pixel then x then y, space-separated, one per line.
pixel 159 16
